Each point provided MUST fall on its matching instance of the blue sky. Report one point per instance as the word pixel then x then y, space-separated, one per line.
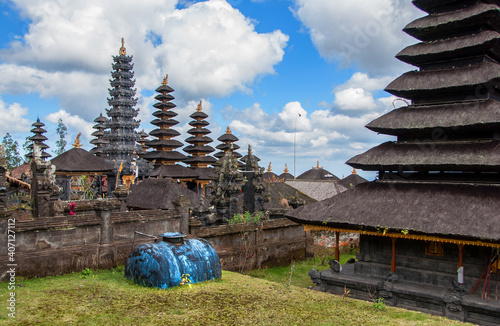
pixel 255 64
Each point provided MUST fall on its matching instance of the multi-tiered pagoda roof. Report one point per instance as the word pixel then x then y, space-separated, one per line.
pixel 447 135
pixel 165 156
pixel 39 139
pixel 199 149
pixel 99 140
pixel 121 134
pixel 228 145
pixel 439 181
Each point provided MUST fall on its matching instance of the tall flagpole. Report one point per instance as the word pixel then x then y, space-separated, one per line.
pixel 294 143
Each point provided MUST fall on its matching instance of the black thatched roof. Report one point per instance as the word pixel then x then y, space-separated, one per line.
pixel 431 82
pixel 431 156
pixel 452 48
pixel 317 189
pixel 205 173
pixel 352 181
pixel 437 5
pixel 79 160
pixel 432 26
pixel 450 118
pixel 279 190
pixel 286 176
pixel 461 210
pixel 164 156
pixel 159 194
pixel 318 174
pixel 173 171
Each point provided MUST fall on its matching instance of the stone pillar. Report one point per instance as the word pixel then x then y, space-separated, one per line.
pixel 106 227
pixel 107 252
pixel 182 205
pixel 43 187
pixel 121 192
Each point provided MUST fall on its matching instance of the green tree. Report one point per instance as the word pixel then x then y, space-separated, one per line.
pixel 62 131
pixel 26 148
pixel 11 152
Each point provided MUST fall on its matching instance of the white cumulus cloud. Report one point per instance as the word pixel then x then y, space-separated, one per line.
pixel 360 32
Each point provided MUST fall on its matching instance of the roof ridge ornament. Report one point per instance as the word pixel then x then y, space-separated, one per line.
pixel 77 143
pixel 317 166
pixel 165 80
pixel 269 168
pixel 198 108
pixel 286 169
pixel 123 51
pixel 228 131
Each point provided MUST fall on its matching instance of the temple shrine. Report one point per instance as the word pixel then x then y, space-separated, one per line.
pixel 164 154
pixel 199 150
pixel 99 140
pixel 121 135
pixel 38 138
pixel 429 226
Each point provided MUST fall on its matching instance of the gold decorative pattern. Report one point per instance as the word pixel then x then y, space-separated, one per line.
pixel 308 227
pixel 434 248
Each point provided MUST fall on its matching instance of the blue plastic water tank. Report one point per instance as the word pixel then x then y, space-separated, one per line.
pixel 162 264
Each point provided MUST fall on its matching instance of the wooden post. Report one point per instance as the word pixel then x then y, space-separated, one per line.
pixel 393 261
pixel 460 255
pixel 337 249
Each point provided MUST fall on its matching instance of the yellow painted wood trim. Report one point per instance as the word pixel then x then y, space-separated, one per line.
pixel 308 227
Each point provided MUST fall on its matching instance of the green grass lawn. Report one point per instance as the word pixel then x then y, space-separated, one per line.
pixel 299 275
pixel 107 298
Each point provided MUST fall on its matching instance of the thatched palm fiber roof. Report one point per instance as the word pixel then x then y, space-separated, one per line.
pixel 352 180
pixel 79 160
pixel 318 174
pixel 461 210
pixel 450 118
pixel 159 194
pixel 427 27
pixel 451 48
pixel 173 171
pixel 433 5
pixel 431 156
pixel 428 82
pixel 277 191
pixel 316 189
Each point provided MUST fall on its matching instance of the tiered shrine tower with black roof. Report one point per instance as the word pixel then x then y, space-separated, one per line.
pixel 99 140
pixel 199 149
pixel 164 154
pixel 121 125
pixel 228 144
pixel 429 226
pixel 39 139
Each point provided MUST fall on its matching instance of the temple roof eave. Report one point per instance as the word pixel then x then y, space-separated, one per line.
pixel 425 208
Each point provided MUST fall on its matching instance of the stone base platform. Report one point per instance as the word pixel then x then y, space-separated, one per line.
pixel 436 300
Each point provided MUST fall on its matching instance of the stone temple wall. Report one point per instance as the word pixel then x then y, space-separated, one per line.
pixel 100 236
